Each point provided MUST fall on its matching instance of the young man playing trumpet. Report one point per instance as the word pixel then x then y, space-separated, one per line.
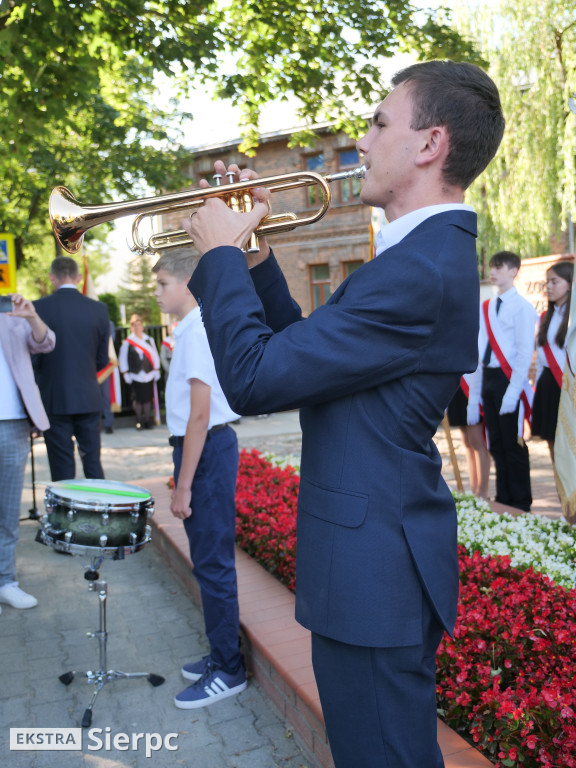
pixel 372 372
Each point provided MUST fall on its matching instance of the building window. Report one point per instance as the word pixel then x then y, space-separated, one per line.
pixel 319 284
pixel 349 188
pixel 350 266
pixel 314 196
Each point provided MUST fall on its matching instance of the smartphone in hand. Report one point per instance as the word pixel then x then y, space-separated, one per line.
pixel 6 304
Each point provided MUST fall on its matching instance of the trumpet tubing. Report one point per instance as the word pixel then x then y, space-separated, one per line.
pixel 71 220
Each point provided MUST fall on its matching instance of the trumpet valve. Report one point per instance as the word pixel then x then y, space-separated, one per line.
pixel 247 202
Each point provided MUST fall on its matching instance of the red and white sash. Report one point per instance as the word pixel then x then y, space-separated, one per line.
pixel 555 364
pixel 146 351
pixel 527 394
pixel 149 356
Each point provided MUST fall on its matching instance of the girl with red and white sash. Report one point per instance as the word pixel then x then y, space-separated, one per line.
pixel 551 352
pixel 140 366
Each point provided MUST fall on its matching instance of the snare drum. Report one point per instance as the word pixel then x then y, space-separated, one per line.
pixel 97 517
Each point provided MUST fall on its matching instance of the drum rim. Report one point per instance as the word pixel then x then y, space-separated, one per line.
pixel 57 489
pixel 51 539
pixel 100 507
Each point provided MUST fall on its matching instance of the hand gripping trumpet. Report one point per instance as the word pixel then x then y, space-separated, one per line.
pixel 71 220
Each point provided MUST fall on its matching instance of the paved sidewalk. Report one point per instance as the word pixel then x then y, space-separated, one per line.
pixel 153 626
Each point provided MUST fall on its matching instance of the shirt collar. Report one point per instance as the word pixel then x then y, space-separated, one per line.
pixel 507 295
pixel 392 233
pixel 186 322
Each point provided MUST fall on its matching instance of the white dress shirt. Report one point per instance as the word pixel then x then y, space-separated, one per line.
pixel 516 327
pixel 192 359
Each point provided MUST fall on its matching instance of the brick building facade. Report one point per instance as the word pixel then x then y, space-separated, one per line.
pixel 315 258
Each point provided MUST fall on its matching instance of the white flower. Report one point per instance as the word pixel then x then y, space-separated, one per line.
pixel 549 546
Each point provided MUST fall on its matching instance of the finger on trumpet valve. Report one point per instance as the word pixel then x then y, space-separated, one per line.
pixel 230 175
pixel 247 202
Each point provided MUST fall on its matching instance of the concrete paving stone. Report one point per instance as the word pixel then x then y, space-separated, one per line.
pixel 253 699
pixel 210 756
pixel 45 713
pixel 185 649
pixel 36 631
pixel 10 624
pixel 16 683
pixel 42 649
pixel 167 615
pixel 177 629
pixel 19 759
pixel 239 734
pixel 11 643
pixel 283 740
pixel 11 660
pixel 15 711
pixel 194 736
pixel 47 669
pixel 266 757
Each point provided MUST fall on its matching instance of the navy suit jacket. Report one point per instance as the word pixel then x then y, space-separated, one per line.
pixel 372 371
pixel 67 377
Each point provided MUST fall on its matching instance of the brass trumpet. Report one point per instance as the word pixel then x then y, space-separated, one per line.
pixel 71 220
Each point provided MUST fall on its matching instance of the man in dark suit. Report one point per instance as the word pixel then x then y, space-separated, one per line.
pixel 67 377
pixel 372 372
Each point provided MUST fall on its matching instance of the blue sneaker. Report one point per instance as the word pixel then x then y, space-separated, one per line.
pixel 214 685
pixel 195 669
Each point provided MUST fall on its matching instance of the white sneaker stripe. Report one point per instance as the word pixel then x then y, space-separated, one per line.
pixel 218 686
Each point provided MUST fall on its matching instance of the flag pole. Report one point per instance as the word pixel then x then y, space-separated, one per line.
pixel 453 457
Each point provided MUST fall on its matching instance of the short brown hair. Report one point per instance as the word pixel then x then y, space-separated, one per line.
pixel 465 100
pixel 64 267
pixel 179 264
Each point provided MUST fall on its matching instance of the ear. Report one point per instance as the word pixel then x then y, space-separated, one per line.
pixel 435 146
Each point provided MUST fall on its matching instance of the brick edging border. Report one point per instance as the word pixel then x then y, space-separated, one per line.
pixel 276 647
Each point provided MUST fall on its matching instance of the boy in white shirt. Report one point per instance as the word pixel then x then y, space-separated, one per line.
pixel 502 380
pixel 205 459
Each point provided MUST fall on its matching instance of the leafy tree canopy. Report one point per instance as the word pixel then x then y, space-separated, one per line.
pixel 527 195
pixel 77 84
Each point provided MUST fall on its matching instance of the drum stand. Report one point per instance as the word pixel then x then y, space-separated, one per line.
pixel 101 676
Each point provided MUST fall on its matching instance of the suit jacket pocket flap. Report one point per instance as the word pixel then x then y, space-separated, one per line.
pixel 332 504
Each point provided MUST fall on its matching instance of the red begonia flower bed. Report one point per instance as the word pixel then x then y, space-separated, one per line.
pixel 507 680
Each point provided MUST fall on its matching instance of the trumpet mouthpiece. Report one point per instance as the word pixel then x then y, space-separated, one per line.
pixel 355 173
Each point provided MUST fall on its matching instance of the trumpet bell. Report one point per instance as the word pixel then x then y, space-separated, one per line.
pixel 71 220
pixel 68 219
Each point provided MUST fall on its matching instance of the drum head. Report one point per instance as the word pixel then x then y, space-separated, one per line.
pixel 95 493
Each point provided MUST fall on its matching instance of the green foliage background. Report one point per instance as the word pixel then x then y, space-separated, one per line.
pixel 77 87
pixel 525 199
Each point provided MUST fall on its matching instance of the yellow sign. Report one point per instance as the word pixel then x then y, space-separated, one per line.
pixel 7 264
